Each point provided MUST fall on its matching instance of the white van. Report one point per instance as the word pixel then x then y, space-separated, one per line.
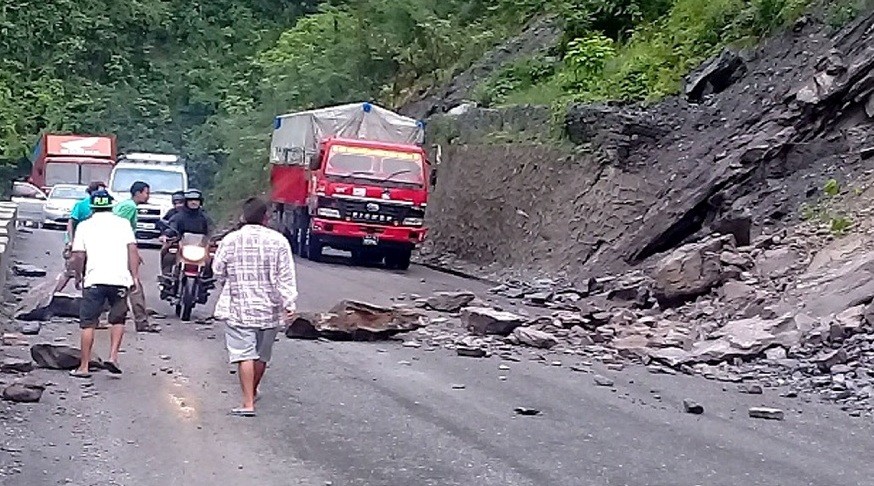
pixel 164 173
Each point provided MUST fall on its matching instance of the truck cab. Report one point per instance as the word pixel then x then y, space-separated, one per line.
pixel 353 178
pixel 71 159
pixel 164 173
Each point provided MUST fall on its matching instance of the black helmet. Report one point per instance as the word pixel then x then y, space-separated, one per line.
pixel 178 197
pixel 193 195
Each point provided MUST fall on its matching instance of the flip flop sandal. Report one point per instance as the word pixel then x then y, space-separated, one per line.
pixel 79 374
pixel 111 367
pixel 242 412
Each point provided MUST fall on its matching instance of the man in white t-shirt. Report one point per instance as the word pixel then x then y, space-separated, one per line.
pixel 107 263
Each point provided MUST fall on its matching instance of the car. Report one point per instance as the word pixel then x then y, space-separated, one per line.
pixel 59 204
pixel 30 200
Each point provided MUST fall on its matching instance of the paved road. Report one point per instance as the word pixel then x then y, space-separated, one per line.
pixel 381 414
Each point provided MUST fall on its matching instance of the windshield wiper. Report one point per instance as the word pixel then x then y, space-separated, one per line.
pixel 397 173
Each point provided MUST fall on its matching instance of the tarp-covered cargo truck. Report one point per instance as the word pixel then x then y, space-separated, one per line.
pixel 353 178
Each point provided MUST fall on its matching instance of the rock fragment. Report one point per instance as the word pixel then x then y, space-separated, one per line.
pixel 15 365
pixel 750 389
pixel 526 411
pixel 603 381
pixel 22 394
pixel 535 338
pixel 766 413
pixel 29 271
pixel 485 321
pixel 449 301
pixel 693 407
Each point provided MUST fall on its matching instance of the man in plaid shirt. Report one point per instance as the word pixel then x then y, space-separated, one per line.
pixel 255 266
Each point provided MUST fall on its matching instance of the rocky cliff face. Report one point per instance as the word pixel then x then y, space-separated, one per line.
pixel 758 135
pixel 728 233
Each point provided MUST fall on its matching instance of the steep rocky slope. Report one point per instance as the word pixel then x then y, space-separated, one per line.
pixel 728 233
pixel 640 181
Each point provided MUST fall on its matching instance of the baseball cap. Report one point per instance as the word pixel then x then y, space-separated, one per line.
pixel 101 199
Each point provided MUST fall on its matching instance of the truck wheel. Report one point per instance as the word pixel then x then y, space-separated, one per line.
pixel 398 259
pixel 312 247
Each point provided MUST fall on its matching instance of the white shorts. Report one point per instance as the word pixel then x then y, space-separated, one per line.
pixel 249 344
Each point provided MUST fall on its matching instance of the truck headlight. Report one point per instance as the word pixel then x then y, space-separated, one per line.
pixel 413 222
pixel 328 213
pixel 193 253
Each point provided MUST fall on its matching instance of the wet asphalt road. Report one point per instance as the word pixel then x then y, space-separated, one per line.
pixel 383 414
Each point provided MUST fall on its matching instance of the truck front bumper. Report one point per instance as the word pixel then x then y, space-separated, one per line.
pixel 345 235
pixel 147 229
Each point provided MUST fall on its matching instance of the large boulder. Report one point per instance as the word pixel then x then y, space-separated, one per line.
pixel 354 321
pixel 59 357
pixel 691 271
pixel 484 320
pixel 42 304
pixel 449 301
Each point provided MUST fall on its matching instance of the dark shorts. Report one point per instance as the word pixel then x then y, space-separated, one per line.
pixel 96 298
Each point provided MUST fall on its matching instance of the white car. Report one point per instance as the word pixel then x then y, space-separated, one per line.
pixel 59 204
pixel 30 200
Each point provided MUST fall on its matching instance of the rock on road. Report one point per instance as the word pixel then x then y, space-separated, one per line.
pixel 374 414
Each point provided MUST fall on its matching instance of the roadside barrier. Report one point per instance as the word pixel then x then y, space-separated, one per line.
pixel 8 216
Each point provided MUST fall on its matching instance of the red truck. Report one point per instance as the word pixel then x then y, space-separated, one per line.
pixel 72 159
pixel 353 178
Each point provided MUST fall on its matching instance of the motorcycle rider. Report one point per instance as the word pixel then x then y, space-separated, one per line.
pixel 191 218
pixel 178 199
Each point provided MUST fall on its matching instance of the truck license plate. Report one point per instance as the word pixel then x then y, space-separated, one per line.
pixel 371 240
pixel 146 226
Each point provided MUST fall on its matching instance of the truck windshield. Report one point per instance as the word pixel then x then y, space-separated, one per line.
pixel 95 172
pixel 159 181
pixel 379 165
pixel 62 173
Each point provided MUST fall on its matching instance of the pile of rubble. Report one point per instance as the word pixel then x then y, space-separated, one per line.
pixel 792 310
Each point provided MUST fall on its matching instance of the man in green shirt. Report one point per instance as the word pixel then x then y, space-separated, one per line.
pixel 127 210
pixel 139 193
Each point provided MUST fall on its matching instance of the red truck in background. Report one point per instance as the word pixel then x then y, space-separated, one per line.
pixel 353 178
pixel 72 159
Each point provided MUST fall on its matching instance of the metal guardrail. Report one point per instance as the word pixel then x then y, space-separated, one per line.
pixel 8 216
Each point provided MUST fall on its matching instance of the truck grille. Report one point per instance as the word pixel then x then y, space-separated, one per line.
pixel 149 212
pixel 373 212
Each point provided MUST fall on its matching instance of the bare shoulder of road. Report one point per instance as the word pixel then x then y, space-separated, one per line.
pixel 383 413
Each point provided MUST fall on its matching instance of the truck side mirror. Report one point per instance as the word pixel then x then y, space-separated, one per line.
pixel 433 177
pixel 315 162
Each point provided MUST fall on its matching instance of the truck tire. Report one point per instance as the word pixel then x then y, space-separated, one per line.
pixel 398 259
pixel 312 247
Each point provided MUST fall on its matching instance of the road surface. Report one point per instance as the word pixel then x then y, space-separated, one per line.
pixel 371 414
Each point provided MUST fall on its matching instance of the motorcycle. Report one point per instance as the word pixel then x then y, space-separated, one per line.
pixel 189 283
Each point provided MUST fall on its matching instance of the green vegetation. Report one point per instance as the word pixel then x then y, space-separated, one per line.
pixel 824 211
pixel 205 79
pixel 641 51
